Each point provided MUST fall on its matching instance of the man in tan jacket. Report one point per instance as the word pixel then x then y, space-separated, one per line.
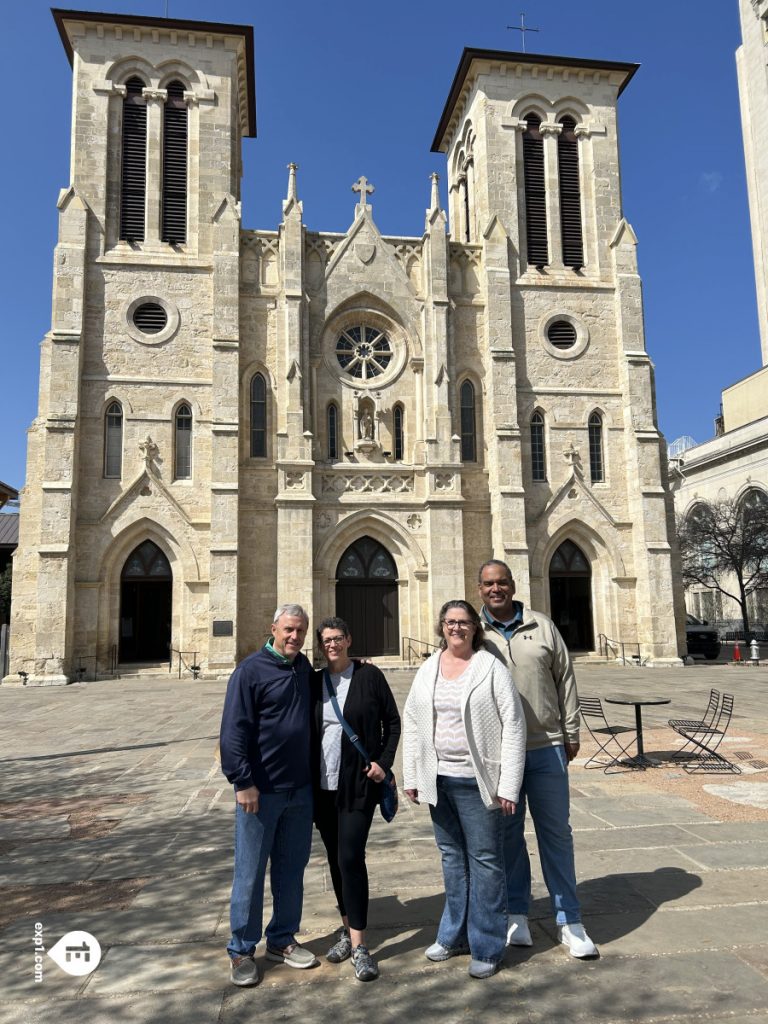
pixel 535 653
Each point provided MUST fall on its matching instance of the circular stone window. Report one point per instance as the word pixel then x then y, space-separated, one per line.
pixel 563 336
pixel 151 320
pixel 363 352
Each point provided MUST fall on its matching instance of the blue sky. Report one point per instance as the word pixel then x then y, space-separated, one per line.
pixel 345 89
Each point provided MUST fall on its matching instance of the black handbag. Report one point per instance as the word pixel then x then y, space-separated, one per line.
pixel 388 801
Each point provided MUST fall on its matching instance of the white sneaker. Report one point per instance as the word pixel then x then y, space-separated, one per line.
pixel 578 942
pixel 518 932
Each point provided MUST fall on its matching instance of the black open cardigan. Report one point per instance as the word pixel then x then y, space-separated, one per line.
pixel 372 712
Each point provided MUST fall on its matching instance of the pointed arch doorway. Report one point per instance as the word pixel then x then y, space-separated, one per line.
pixel 146 589
pixel 570 596
pixel 367 599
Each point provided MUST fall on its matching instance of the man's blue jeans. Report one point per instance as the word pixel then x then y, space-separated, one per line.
pixel 469 837
pixel 281 832
pixel 545 788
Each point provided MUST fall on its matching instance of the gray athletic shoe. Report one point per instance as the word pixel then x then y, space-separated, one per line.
pixel 293 955
pixel 244 971
pixel 341 949
pixel 366 968
pixel 482 969
pixel 437 952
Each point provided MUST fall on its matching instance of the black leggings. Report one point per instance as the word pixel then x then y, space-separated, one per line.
pixel 344 834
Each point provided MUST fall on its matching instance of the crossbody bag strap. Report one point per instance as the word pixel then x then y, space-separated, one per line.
pixel 353 738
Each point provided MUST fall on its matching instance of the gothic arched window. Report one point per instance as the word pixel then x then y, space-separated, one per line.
pixel 398 432
pixel 570 194
pixel 596 461
pixel 113 441
pixel 182 449
pixel 333 431
pixel 258 417
pixel 174 211
pixel 538 448
pixel 535 193
pixel 133 172
pixel 468 423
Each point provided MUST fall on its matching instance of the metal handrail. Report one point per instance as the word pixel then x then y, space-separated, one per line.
pixel 193 669
pixel 609 648
pixel 408 651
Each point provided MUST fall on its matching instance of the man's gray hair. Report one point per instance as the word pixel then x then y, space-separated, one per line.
pixel 294 610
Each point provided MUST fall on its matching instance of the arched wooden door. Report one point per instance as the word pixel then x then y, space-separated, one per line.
pixel 570 592
pixel 366 598
pixel 146 595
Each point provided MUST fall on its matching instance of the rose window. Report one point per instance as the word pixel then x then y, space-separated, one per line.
pixel 363 352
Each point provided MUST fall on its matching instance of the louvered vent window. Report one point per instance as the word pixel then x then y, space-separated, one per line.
pixel 561 334
pixel 333 431
pixel 174 227
pixel 535 193
pixel 133 178
pixel 596 464
pixel 258 417
pixel 113 441
pixel 468 432
pixel 538 448
pixel 570 194
pixel 183 442
pixel 150 318
pixel 399 437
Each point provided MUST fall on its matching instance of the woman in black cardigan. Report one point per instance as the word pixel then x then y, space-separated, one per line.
pixel 347 790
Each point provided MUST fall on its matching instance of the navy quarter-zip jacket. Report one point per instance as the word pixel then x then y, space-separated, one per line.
pixel 264 735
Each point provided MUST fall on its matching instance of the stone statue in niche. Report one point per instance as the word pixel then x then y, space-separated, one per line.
pixel 366 425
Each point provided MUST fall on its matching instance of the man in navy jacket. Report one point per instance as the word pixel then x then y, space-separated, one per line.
pixel 265 755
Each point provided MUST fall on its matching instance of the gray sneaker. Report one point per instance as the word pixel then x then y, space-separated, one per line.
pixel 244 971
pixel 293 955
pixel 366 968
pixel 341 949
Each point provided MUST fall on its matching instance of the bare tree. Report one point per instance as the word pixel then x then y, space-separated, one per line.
pixel 724 547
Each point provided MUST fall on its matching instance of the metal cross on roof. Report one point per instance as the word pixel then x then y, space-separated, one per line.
pixel 522 28
pixel 364 187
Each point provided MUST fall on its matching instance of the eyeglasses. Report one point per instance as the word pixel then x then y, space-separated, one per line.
pixel 333 641
pixel 458 623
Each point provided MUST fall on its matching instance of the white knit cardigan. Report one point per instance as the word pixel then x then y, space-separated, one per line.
pixel 494 722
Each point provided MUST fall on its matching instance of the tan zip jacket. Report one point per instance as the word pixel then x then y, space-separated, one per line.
pixel 541 667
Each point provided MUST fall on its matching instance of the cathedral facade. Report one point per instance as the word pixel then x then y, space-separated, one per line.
pixel 233 418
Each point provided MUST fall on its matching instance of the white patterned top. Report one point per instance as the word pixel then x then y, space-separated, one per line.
pixel 450 735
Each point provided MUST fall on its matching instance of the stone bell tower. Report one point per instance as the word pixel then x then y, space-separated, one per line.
pixel 143 350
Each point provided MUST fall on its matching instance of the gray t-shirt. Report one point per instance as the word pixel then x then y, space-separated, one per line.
pixel 330 751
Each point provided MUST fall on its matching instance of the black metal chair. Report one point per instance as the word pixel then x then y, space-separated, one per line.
pixel 605 737
pixel 706 720
pixel 705 740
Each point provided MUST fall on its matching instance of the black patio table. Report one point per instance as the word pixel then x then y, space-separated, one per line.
pixel 640 760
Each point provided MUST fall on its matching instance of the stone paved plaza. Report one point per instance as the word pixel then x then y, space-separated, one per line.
pixel 115 819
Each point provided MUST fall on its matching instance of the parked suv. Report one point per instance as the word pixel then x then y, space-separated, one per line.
pixel 701 638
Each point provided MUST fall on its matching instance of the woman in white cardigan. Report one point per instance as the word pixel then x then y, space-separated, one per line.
pixel 463 754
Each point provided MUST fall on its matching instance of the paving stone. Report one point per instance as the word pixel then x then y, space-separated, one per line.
pixel 30 829
pixel 714 888
pixel 645 837
pixel 168 1007
pixel 149 968
pixel 726 855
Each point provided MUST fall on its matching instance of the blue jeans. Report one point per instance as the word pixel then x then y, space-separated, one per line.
pixel 469 837
pixel 545 787
pixel 281 832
